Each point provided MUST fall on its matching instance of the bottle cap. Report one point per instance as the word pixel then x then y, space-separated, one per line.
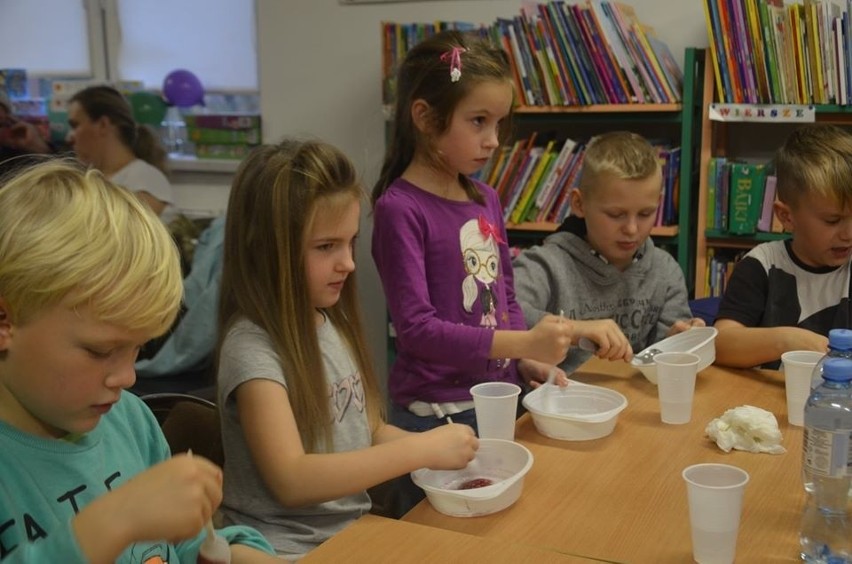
pixel 837 369
pixel 840 339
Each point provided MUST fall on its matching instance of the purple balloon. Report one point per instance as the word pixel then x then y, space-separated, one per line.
pixel 181 88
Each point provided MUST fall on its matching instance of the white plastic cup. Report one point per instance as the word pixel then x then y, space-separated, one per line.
pixel 798 366
pixel 676 385
pixel 496 405
pixel 715 494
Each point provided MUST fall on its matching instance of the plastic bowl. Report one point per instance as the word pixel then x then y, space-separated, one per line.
pixel 698 340
pixel 505 463
pixel 578 412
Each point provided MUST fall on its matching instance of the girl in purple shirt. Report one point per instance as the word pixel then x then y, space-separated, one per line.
pixel 439 241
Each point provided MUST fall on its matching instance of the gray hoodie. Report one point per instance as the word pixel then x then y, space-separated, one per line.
pixel 565 274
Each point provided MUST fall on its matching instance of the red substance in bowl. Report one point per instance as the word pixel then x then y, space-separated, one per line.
pixel 476 483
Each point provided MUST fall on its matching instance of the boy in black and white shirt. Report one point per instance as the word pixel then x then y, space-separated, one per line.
pixel 787 295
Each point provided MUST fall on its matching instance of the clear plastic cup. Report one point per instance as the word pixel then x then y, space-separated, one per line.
pixel 676 385
pixel 715 495
pixel 496 405
pixel 798 367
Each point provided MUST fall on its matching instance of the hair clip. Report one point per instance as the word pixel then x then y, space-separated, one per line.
pixel 454 55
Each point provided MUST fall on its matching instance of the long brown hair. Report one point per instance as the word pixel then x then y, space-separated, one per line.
pixel 100 101
pixel 274 198
pixel 425 74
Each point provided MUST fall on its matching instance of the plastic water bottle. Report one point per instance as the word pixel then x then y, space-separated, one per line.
pixel 173 133
pixel 826 532
pixel 839 345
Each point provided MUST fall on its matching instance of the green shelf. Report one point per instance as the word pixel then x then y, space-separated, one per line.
pixel 759 237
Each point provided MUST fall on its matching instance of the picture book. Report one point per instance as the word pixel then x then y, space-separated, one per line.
pixel 745 199
pixel 764 223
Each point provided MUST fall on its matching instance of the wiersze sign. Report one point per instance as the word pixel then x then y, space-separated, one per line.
pixel 771 113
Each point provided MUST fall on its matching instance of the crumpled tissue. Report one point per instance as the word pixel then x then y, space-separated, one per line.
pixel 746 428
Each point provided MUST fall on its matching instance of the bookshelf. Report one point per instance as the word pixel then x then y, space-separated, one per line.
pixel 677 122
pixel 746 139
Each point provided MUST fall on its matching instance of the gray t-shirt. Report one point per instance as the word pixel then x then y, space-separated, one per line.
pixel 247 354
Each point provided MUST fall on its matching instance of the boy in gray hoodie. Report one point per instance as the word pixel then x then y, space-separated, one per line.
pixel 601 268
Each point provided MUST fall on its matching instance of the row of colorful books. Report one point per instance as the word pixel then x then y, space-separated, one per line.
pixel 766 52
pixel 534 180
pixel 740 197
pixel 594 52
pixel 720 265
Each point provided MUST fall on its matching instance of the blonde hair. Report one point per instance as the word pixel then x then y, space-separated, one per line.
pixel 815 159
pixel 274 198
pixel 69 234
pixel 618 155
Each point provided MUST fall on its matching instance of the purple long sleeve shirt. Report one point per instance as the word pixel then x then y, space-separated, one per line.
pixel 447 276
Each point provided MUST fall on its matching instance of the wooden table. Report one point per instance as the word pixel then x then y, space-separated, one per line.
pixel 622 497
pixel 377 539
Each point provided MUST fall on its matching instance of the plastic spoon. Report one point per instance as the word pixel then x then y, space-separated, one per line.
pixel 214 549
pixel 473 465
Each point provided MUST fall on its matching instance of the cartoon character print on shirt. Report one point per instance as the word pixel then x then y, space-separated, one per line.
pixel 478 239
pixel 346 392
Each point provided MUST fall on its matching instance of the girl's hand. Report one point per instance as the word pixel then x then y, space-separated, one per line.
pixel 550 339
pixel 610 340
pixel 449 447
pixel 242 554
pixel 680 326
pixel 535 373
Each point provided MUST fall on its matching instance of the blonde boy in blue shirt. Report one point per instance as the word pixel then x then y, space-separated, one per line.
pixel 87 275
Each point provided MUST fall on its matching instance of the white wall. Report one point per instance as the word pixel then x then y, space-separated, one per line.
pixel 320 74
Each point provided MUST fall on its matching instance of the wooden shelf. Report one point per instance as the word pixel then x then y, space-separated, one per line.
pixel 713 143
pixel 548 227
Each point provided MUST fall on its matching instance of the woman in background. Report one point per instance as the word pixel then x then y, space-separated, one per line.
pixel 104 135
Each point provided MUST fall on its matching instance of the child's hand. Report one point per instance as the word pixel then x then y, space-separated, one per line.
pixel 550 339
pixel 449 447
pixel 798 339
pixel 172 500
pixel 680 326
pixel 535 373
pixel 611 342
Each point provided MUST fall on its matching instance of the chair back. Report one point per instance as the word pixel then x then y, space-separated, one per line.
pixel 188 422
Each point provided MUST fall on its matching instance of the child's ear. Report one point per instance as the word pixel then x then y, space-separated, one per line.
pixel 5 324
pixel 576 198
pixel 420 111
pixel 784 214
